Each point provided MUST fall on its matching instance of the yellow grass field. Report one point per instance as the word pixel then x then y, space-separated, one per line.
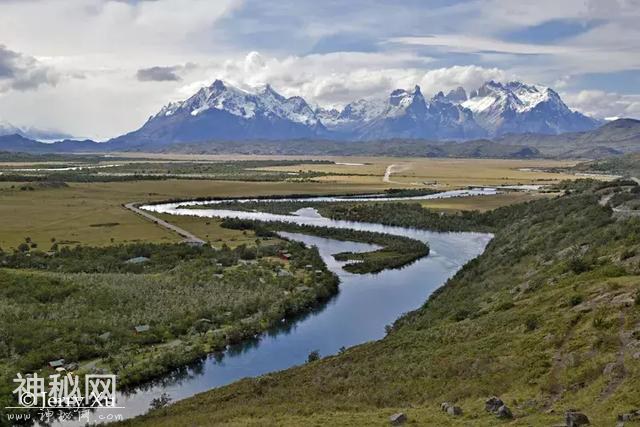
pixel 92 213
pixel 209 229
pixel 482 203
pixel 439 173
pixel 450 172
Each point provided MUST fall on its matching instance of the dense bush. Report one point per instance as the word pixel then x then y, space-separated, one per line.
pixel 396 251
pixel 202 297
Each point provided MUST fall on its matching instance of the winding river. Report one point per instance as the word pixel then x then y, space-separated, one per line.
pixel 357 314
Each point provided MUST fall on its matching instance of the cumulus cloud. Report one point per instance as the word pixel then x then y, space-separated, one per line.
pixel 469 77
pixel 73 27
pixel 337 78
pixel 602 104
pixel 23 72
pixel 332 78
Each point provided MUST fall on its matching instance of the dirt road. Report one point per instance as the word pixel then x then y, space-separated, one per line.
pixel 188 237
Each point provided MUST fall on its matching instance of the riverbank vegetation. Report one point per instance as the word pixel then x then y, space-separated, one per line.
pixel 548 318
pixel 53 160
pixel 140 311
pixel 120 170
pixel 394 252
pixel 287 204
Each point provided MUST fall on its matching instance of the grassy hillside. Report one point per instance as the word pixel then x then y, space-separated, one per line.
pixel 613 138
pixel 548 318
pixel 628 165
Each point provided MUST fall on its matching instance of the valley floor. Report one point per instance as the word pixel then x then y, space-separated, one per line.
pixel 537 319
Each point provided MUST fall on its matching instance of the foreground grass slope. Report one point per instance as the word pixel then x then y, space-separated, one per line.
pixel 548 318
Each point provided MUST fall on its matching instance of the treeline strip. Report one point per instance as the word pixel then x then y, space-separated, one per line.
pixel 396 251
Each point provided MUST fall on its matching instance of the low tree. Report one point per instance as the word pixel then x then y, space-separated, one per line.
pixel 313 356
pixel 160 402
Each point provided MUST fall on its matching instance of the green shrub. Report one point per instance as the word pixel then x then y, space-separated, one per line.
pixel 532 322
pixel 461 315
pixel 578 265
pixel 504 306
pixel 627 253
pixel 313 356
pixel 575 300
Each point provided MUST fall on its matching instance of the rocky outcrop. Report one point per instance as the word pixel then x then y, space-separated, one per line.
pixel 496 406
pixel 398 419
pixel 454 411
pixel 575 419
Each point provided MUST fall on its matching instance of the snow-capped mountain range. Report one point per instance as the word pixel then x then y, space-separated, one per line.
pixel 32 133
pixel 8 128
pixel 222 111
pixel 519 108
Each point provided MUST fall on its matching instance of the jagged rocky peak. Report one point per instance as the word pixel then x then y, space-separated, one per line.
pixel 218 85
pixel 267 90
pixel 439 97
pixel 327 116
pixel 402 97
pixel 457 95
pixel 488 88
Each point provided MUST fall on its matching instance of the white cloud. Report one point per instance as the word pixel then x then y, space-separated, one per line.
pixel 92 51
pixel 509 14
pixel 464 43
pixel 337 78
pixel 23 72
pixel 332 78
pixel 100 45
pixel 74 27
pixel 606 48
pixel 604 104
pixel 610 46
pixel 469 77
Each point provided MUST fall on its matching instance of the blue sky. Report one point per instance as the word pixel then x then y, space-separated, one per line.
pixel 107 65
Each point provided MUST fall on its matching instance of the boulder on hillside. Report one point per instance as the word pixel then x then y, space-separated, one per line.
pixel 496 406
pixel 493 404
pixel 398 419
pixel 504 412
pixel 575 419
pixel 630 416
pixel 454 411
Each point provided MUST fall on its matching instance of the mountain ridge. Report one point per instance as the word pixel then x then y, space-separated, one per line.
pixel 612 139
pixel 223 111
pixel 7 128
